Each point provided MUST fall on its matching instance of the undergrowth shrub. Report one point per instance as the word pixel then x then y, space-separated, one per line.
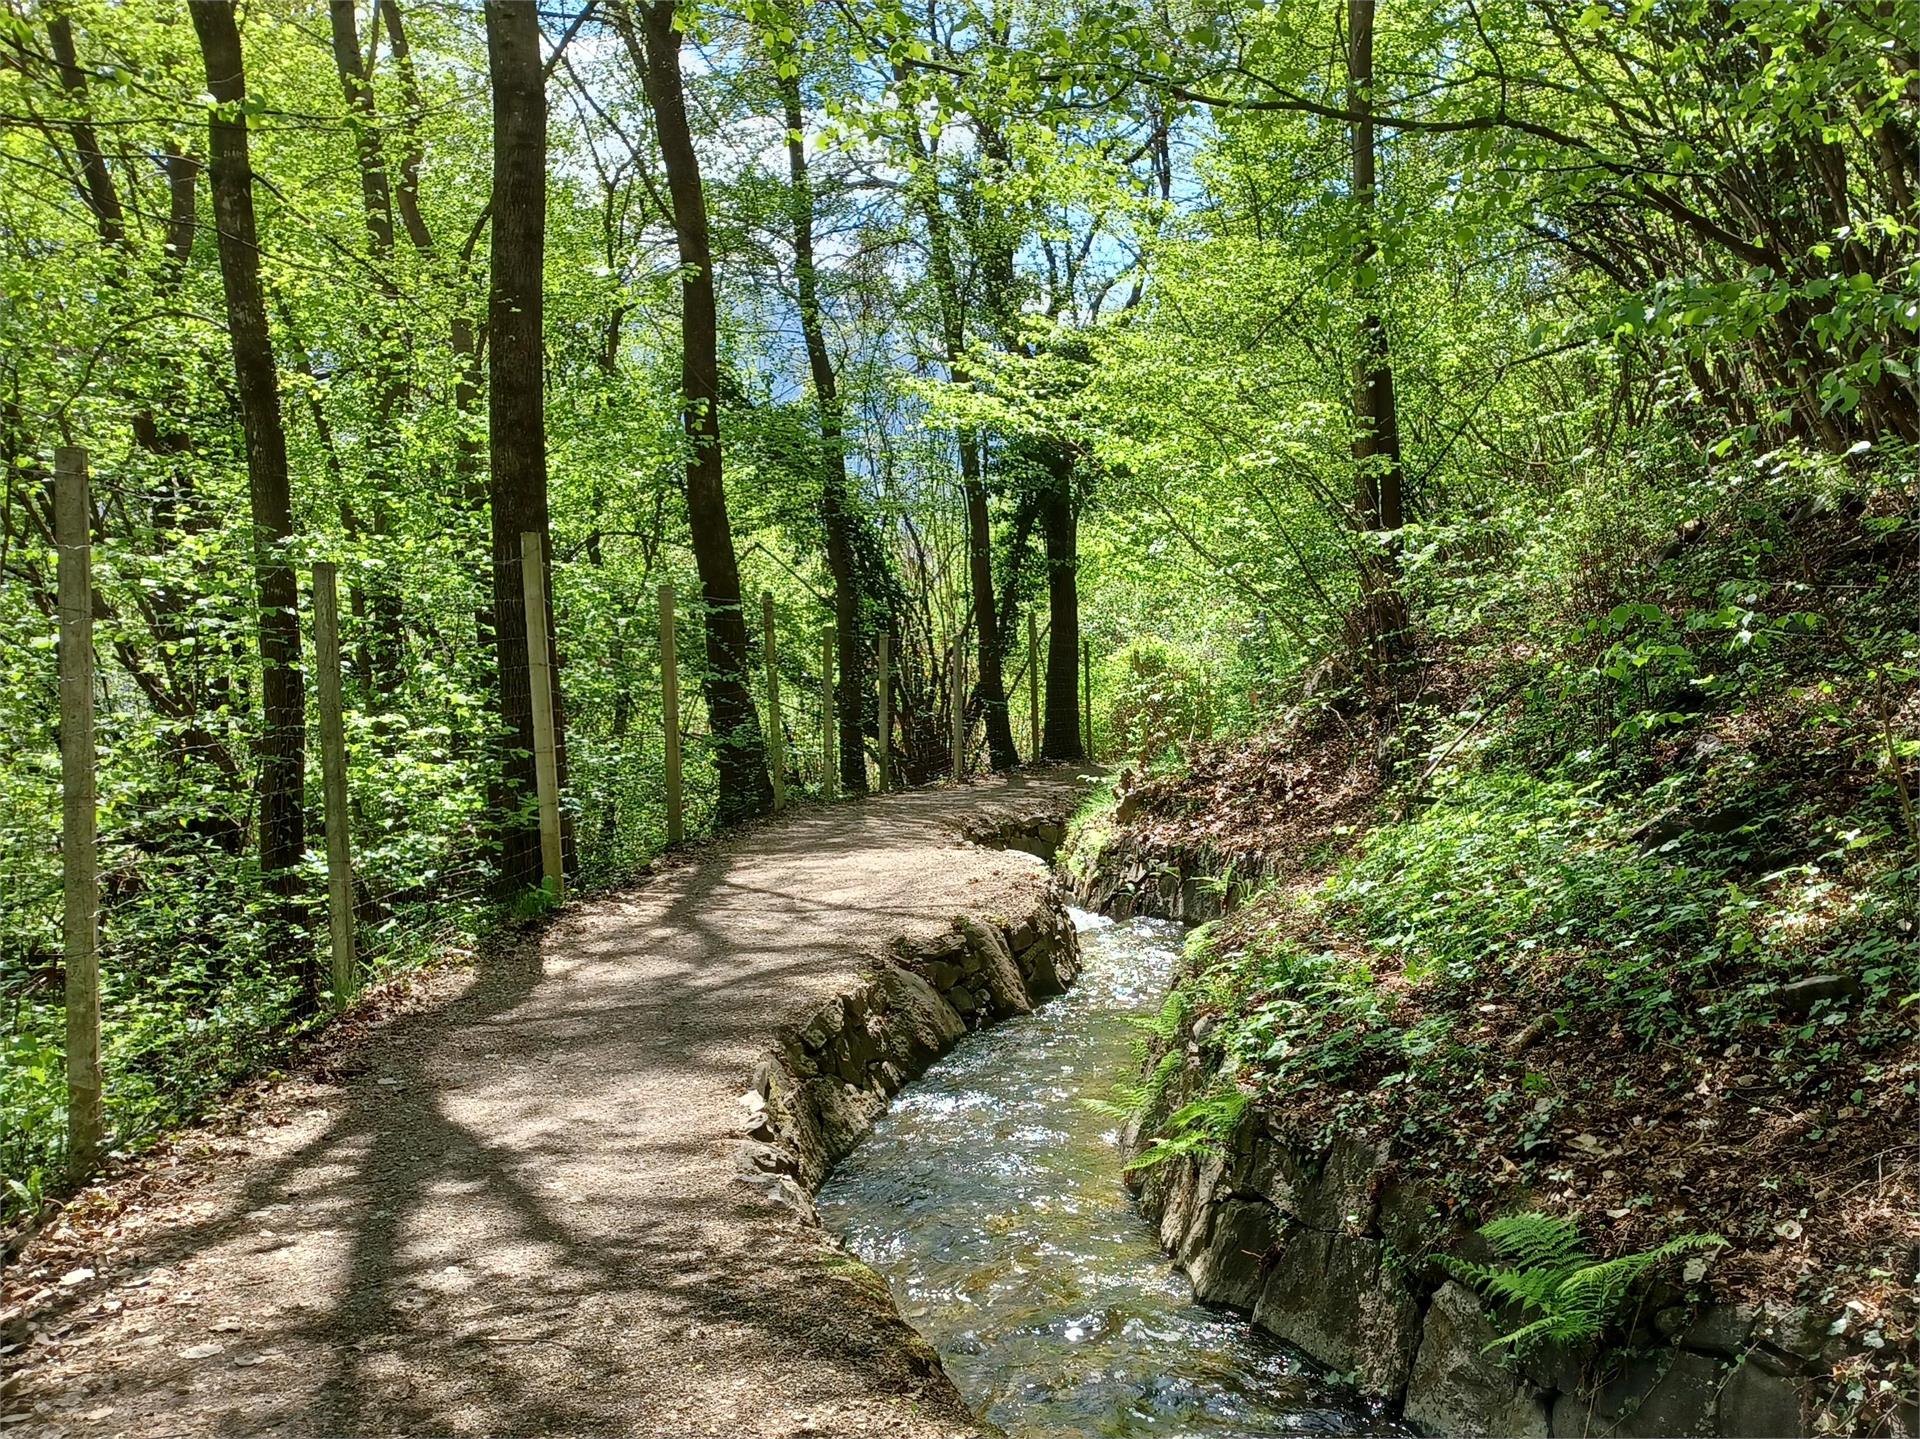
pixel 1546 880
pixel 1088 830
pixel 1160 704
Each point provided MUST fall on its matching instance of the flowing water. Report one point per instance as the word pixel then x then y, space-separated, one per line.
pixel 990 1198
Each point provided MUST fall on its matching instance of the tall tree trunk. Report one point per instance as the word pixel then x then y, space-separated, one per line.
pixel 836 513
pixel 178 687
pixel 1376 425
pixel 283 732
pixel 1376 422
pixel 1061 739
pixel 96 181
pixel 990 688
pixel 462 340
pixel 739 753
pixel 516 421
pixel 376 195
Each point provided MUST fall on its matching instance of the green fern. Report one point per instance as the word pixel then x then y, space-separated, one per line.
pixel 1549 1275
pixel 1165 1024
pixel 1133 1098
pixel 1197 1128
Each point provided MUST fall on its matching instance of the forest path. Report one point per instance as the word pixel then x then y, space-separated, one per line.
pixel 514 1211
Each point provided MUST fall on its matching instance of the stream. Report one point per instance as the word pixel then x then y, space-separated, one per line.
pixel 990 1199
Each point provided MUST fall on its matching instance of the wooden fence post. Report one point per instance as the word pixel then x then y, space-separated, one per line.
pixel 73 535
pixel 829 767
pixel 546 769
pixel 776 737
pixel 1086 689
pixel 886 713
pixel 1033 685
pixel 959 703
pixel 670 718
pixel 333 781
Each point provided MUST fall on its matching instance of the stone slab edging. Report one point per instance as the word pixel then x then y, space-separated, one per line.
pixel 831 1076
pixel 1330 1252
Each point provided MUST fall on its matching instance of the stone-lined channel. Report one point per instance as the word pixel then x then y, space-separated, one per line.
pixel 990 1199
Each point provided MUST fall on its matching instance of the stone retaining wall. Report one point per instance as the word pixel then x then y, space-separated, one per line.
pixel 832 1075
pixel 1191 886
pixel 1329 1252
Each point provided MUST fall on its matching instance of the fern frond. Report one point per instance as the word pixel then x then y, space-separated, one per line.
pixel 1551 1275
pixel 1170 1147
pixel 1213 1113
pixel 1133 1098
pixel 1532 1240
pixel 1528 1288
pixel 1194 1128
pixel 1164 1025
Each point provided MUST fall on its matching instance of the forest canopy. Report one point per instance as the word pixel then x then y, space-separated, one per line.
pixel 1138 374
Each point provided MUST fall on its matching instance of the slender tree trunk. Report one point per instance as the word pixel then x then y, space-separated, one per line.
pixel 992 242
pixel 1061 739
pixel 1376 425
pixel 96 181
pixel 1376 422
pixel 462 339
pixel 516 423
pixel 990 687
pixel 178 687
pixel 739 752
pixel 389 349
pixel 836 513
pixel 375 193
pixel 283 733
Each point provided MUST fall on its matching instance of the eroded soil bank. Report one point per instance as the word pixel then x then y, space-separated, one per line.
pixel 1330 1241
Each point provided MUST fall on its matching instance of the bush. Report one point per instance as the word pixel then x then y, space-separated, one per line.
pixel 1161 703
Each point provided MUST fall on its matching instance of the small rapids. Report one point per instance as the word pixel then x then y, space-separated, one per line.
pixel 990 1199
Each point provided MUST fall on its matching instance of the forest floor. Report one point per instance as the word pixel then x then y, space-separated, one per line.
pixel 510 1205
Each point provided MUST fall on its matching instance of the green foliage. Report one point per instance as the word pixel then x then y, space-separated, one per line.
pixel 1159 704
pixel 1652 374
pixel 1200 1126
pixel 1089 829
pixel 1549 1275
pixel 1504 863
pixel 1156 1061
pixel 1164 1024
pixel 1556 881
pixel 1140 1096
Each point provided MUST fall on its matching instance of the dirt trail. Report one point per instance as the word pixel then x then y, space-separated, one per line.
pixel 514 1212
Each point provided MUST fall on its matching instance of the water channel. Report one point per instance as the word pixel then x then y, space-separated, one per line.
pixel 990 1199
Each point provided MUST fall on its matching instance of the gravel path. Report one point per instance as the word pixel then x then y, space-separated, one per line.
pixel 511 1210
